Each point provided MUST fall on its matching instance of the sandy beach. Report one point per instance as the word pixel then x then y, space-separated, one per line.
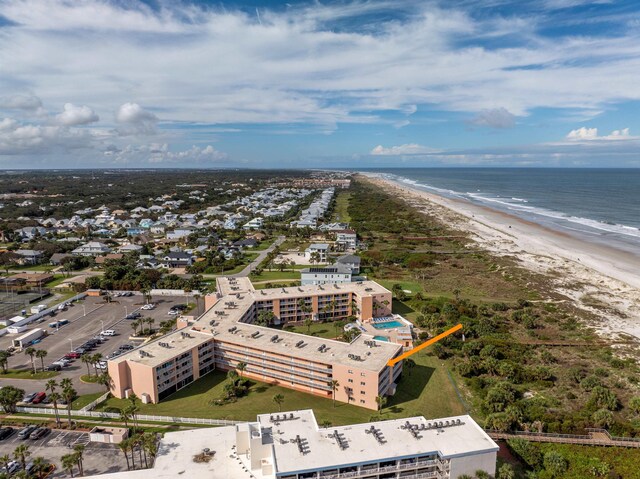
pixel 587 273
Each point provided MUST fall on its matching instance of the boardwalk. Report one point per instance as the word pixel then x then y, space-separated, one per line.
pixel 595 437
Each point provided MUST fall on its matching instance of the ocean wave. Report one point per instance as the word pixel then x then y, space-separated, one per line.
pixel 557 215
pixel 522 205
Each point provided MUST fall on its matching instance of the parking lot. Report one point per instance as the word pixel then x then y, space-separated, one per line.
pixel 98 458
pixel 86 319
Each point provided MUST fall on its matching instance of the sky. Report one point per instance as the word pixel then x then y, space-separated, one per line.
pixel 332 84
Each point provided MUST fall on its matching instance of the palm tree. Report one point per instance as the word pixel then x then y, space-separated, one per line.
pixel 381 401
pixel 79 456
pixel 134 326
pixel 41 354
pixel 40 467
pixel 69 394
pixel 31 352
pixel 124 447
pixel 150 444
pixel 241 366
pixel 20 454
pixel 54 398
pixel 150 322
pixel 334 388
pixel 68 463
pixel 86 359
pixel 134 408
pixel 95 359
pixel 125 415
pixel 308 323
pixel 105 380
pixel 278 399
pixel 4 461
pixel 4 360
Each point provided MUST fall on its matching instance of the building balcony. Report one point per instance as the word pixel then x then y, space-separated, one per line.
pixel 366 471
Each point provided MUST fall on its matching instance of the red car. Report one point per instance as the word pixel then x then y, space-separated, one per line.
pixel 72 355
pixel 39 398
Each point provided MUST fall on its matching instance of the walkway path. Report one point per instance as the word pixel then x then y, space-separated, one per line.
pixel 595 437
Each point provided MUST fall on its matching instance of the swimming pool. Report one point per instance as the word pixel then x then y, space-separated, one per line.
pixel 381 338
pixel 389 325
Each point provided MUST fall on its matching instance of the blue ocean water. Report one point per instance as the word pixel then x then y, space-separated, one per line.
pixel 602 205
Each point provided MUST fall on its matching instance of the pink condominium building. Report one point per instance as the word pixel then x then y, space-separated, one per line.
pixel 227 335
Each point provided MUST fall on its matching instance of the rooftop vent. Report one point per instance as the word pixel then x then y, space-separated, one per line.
pixel 299 344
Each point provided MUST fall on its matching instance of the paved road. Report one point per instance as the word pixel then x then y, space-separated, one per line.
pixel 261 256
pixel 251 266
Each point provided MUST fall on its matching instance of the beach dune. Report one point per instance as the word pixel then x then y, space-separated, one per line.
pixel 581 270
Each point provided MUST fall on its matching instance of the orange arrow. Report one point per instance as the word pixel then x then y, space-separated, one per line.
pixel 435 339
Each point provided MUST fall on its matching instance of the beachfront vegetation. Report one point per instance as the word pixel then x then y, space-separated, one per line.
pixel 527 360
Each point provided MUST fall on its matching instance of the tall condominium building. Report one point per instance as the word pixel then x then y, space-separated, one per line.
pixel 292 446
pixel 227 335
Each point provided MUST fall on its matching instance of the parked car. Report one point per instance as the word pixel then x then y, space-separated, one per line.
pixel 148 307
pixel 134 315
pixel 72 355
pixel 5 432
pixel 125 347
pixel 38 433
pixel 102 365
pixel 108 332
pixel 12 467
pixel 26 432
pixel 38 398
pixel 80 350
pixel 54 367
pixel 29 397
pixel 173 312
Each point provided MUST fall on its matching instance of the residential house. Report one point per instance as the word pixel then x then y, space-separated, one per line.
pixel 29 256
pixel 351 261
pixel 92 248
pixel 176 259
pixel 346 240
pixel 58 258
pixel 321 249
pixel 326 275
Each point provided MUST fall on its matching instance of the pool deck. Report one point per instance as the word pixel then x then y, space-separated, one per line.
pixel 398 335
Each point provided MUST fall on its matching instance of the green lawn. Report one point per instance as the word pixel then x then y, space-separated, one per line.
pixel 322 330
pixel 82 401
pixel 425 390
pixel 57 279
pixel 27 374
pixel 264 245
pixel 275 275
pixel 35 267
pixel 341 212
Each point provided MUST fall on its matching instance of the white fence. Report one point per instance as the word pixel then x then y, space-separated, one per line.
pixel 172 292
pixel 139 417
pixel 41 314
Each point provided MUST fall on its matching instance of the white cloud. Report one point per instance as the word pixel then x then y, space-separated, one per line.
pixel 160 154
pixel 407 149
pixel 217 65
pixel 591 134
pixel 134 119
pixel 495 118
pixel 20 102
pixel 76 115
pixel 18 138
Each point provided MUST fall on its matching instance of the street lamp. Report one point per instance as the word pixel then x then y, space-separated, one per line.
pixel 125 311
pixel 102 323
pixel 84 308
pixel 71 341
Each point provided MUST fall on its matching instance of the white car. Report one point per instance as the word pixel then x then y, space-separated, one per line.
pixel 108 332
pixel 149 306
pixel 102 365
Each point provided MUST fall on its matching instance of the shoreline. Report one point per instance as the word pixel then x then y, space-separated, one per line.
pixel 583 271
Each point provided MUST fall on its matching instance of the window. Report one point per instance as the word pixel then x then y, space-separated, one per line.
pixel 350 371
pixel 362 383
pixel 362 401
pixel 350 380
pixel 363 374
